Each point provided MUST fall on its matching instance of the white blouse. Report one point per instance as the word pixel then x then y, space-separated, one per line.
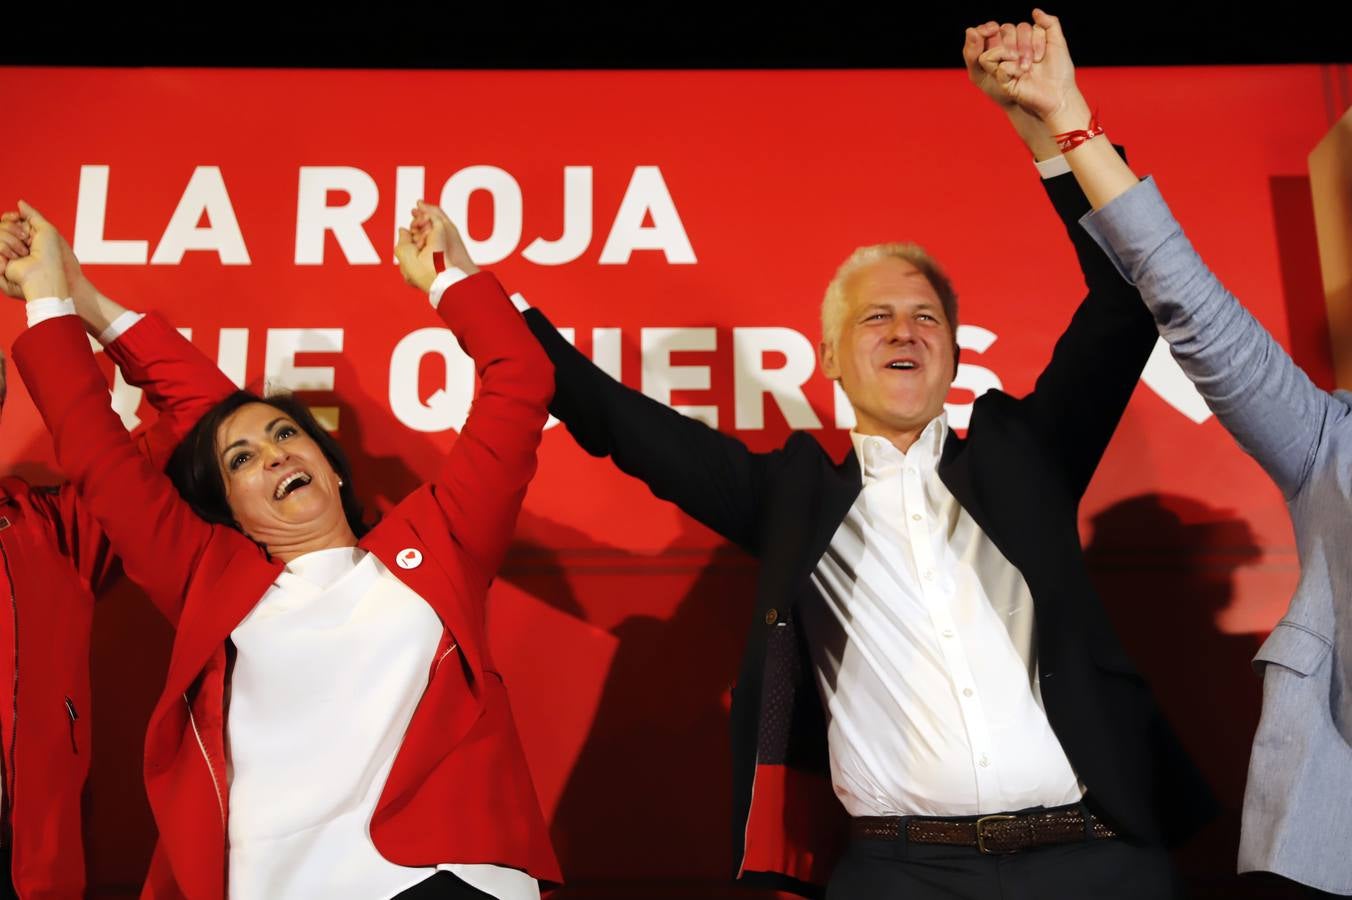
pixel 330 667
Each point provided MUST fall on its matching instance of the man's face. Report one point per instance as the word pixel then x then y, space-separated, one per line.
pixel 896 355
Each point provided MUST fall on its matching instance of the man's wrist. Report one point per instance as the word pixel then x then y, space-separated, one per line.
pixel 1035 135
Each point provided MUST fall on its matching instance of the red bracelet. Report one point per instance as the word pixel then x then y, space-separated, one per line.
pixel 1069 140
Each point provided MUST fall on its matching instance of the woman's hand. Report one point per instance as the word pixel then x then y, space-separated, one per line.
pixel 431 232
pixel 42 272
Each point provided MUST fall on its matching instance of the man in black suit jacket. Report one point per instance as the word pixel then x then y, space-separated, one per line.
pixel 931 686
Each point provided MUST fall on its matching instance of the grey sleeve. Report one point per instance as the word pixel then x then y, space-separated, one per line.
pixel 1252 385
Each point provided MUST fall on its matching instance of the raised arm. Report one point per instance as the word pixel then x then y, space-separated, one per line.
pixel 1256 390
pixel 1080 396
pixel 179 381
pixel 711 476
pixel 483 481
pixel 130 498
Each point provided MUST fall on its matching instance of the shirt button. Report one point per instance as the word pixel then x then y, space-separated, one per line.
pixel 929 574
pixel 916 517
pixel 948 632
pixel 984 761
pixel 967 692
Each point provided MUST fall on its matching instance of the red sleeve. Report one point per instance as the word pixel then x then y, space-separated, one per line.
pixel 180 382
pixel 483 481
pixel 126 493
pixel 82 538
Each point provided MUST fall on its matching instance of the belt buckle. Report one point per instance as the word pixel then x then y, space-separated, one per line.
pixel 981 836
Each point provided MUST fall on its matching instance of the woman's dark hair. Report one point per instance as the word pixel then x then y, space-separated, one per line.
pixel 195 469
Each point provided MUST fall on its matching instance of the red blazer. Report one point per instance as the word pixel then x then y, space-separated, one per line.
pixel 55 558
pixel 459 790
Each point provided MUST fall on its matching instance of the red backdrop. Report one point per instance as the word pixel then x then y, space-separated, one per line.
pixel 717 204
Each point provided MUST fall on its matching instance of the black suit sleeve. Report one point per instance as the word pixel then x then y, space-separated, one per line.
pixel 1082 393
pixel 712 477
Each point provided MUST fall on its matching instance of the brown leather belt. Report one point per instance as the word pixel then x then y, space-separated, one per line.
pixel 1006 833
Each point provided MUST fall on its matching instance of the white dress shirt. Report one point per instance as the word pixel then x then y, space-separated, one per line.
pixel 329 668
pixel 923 649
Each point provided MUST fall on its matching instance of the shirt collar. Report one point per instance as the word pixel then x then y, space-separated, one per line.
pixel 322 568
pixel 878 456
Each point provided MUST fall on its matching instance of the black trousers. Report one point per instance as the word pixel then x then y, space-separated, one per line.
pixel 1106 869
pixel 7 875
pixel 442 886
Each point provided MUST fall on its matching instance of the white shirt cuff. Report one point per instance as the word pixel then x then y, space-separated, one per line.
pixel 44 308
pixel 520 303
pixel 1050 168
pixel 444 280
pixel 119 327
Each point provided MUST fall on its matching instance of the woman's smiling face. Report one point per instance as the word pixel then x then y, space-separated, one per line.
pixel 280 486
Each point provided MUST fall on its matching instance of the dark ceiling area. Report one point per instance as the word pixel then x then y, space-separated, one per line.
pixel 671 35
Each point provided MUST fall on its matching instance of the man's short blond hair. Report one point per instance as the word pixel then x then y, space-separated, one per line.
pixel 835 304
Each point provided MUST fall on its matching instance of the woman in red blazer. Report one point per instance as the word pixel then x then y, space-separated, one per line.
pixel 361 753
